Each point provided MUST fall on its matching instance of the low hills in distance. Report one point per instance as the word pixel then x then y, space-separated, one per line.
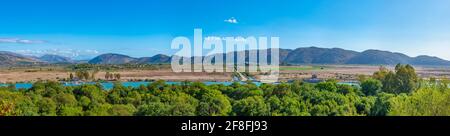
pixel 55 59
pixel 314 55
pixel 111 58
pixel 307 55
pixel 9 58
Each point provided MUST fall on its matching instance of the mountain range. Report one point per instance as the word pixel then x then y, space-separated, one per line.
pixel 55 59
pixel 315 55
pixel 9 58
pixel 111 58
pixel 306 55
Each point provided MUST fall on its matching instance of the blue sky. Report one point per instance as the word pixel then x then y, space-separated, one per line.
pixel 85 28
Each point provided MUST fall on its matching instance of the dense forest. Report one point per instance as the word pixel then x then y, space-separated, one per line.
pixel 386 93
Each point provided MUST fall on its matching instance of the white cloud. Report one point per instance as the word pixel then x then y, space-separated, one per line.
pixel 21 41
pixel 231 20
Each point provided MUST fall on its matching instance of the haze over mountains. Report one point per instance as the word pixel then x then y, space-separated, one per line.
pixel 307 55
pixel 55 59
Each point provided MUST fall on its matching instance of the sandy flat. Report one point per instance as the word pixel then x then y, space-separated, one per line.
pixel 22 76
pixel 341 72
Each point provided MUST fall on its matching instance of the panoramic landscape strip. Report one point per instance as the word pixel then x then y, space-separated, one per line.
pixel 217 58
pixel 385 92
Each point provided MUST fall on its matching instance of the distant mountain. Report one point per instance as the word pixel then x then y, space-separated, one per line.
pixel 380 57
pixel 112 58
pixel 429 60
pixel 306 55
pixel 284 53
pixel 9 58
pixel 315 55
pixel 55 59
pixel 160 58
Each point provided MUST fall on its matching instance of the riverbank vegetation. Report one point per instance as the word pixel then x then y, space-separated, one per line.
pixel 398 92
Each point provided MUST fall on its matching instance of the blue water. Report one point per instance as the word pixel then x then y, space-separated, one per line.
pixel 20 85
pixel 349 83
pixel 110 85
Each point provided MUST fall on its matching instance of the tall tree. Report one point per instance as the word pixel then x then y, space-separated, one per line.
pixel 371 87
pixel 407 78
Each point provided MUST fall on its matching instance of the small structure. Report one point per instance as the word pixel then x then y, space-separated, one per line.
pixel 313 79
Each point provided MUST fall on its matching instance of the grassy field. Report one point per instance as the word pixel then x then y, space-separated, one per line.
pixel 128 72
pixel 301 68
pixel 164 72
